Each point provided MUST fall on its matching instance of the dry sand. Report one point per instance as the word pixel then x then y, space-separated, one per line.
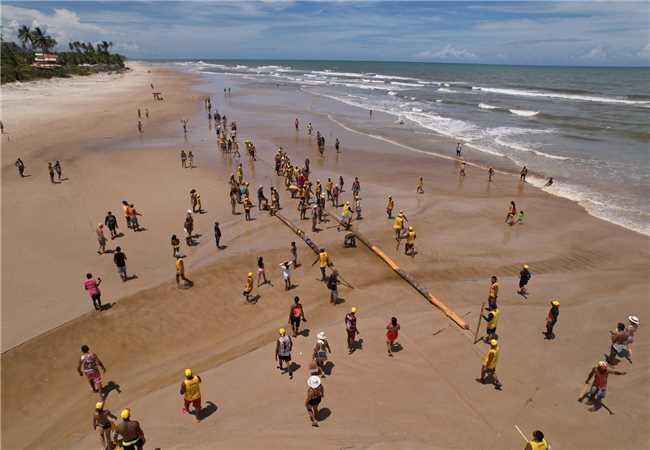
pixel 424 397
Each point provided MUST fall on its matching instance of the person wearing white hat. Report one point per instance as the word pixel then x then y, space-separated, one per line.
pixel 320 352
pixel 631 330
pixel 315 393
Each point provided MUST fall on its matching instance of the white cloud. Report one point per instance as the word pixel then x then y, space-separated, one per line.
pixel 596 54
pixel 447 53
pixel 644 53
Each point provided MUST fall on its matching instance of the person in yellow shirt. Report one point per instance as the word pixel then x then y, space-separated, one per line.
pixel 491 318
pixel 328 188
pixel 494 291
pixel 538 442
pixel 347 216
pixel 247 207
pixel 409 248
pixel 324 261
pixel 318 189
pixel 191 392
pixel 389 207
pixel 248 287
pixel 240 173
pixel 180 273
pixel 488 369
pixel 420 188
pixel 398 225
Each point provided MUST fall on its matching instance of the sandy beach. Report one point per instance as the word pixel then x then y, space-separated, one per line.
pixel 426 396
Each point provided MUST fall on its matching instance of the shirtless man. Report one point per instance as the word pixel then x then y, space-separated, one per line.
pixel 89 365
pixel 102 419
pixel 128 432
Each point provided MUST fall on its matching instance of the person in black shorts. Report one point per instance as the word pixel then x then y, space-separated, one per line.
pixel 111 223
pixel 296 314
pixel 119 258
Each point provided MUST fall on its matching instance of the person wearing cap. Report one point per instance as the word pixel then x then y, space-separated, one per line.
pixel 494 291
pixel 409 247
pixel 398 225
pixel 296 314
pixel 551 319
pixel 492 318
pixel 180 273
pixel 315 394
pixel 248 287
pixel 283 346
pixel 188 227
pixel 537 442
pixel 351 328
pixel 488 369
pixel 347 216
pixel 324 262
pixel 89 365
pixel 320 352
pixel 102 419
pixel 191 392
pixel 631 331
pixel 392 332
pixel 128 433
pixel 598 389
pixel 524 278
pixel 247 208
pixel 619 344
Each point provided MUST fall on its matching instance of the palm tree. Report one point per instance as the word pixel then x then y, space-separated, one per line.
pixel 48 43
pixel 37 37
pixel 25 35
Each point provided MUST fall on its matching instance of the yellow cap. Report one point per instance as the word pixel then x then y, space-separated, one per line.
pixel 493 342
pixel 555 303
pixel 401 211
pixel 250 274
pixel 99 405
pixel 410 228
pixel 525 266
pixel 353 309
pixel 282 331
pixel 125 414
pixel 188 372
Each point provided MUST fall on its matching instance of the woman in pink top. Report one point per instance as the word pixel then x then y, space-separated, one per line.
pixel 92 286
pixel 391 334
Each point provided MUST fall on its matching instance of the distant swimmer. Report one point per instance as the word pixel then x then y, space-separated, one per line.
pixel 598 389
pixel 489 366
pixel 523 174
pixel 551 319
pixel 459 149
pixel 296 314
pixel 351 328
pixel 102 419
pixel 91 285
pixel 283 346
pixel 392 333
pixel 128 433
pixel 191 392
pixel 389 207
pixel 89 365
pixel 549 182
pixel 420 187
pixel 315 394
pixel 538 442
pixel 248 287
pixel 490 174
pixel 370 113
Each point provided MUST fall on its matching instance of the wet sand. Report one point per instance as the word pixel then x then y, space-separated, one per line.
pixel 425 396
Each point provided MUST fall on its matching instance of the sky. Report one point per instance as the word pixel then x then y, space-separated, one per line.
pixel 529 33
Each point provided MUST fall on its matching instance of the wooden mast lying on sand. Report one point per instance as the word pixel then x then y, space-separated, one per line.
pixel 407 277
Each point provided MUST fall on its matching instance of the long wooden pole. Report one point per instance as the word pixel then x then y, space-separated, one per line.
pixel 478 323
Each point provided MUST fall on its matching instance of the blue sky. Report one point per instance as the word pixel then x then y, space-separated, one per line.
pixel 563 33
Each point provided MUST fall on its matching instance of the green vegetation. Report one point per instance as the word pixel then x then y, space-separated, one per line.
pixel 82 59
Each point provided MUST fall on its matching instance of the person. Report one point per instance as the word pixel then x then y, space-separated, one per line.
pixel 537 442
pixel 125 209
pixel 89 365
pixel 296 314
pixel 50 169
pixel 347 216
pixel 101 239
pixel 462 169
pixel 341 183
pixel 191 392
pixel 392 332
pixel 619 344
pixel 332 285
pixel 146 113
pixel 337 145
pixel 261 273
pixel 262 201
pixel 183 159
pixel 351 328
pixel 128 433
pixel 489 366
pixel 180 273
pixel 57 169
pixel 119 258
pixel 357 206
pixel 2 127
pixel 389 207
pixel 371 113
pixel 523 173
pixel 176 246
pixel 551 319
pixel 520 217
pixel 524 278
pixel 285 268
pixel 492 318
pixel 549 182
pixel 111 222
pixel 248 287
pixel 494 291
pixel 139 114
pixel 296 124
pixel 490 174
pixel 247 207
pixel 102 419
pixel 420 187
pixel 140 127
pixel 190 159
pixel 398 226
pixel 631 331
pixel 188 227
pixel 598 389
pixel 309 128
pixel 320 352
pixel 409 247
pixel 217 234
pixel 133 216
pixel 92 287
pixel 459 148
pixel 21 167
pixel 283 346
pixel 512 213
pixel 323 260
pixel 315 394
pixel 294 254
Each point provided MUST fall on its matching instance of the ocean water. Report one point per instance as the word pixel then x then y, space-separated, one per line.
pixel 588 128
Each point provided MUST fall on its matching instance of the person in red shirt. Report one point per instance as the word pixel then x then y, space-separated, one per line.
pixel 391 335
pixel 598 388
pixel 296 314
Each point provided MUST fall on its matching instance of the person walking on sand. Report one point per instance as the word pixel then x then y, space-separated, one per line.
pixel 296 123
pixel 176 246
pixel 57 169
pixel 50 169
pixel 294 254
pixel 512 214
pixel 598 389
pixel 247 207
pixel 409 247
pixel 631 331
pixel 188 227
pixel 392 332
pixel 315 394
pixel 335 196
pixel 489 366
pixel 248 287
pixel 523 174
pixel 524 278
pixel 119 258
pixel 398 225
pixel 296 314
pixel 356 187
pixel 324 262
pixel 133 217
pixel 190 159
pixel 191 392
pixel 490 174
pixel 283 346
pixel 320 352
pixel 101 239
pixel 537 442
pixel 21 167
pixel 180 273
pixel 420 187
pixel 92 287
pixel 494 291
pixel 183 159
pixel 89 365
pixel 128 433
pixel 341 183
pixel 351 328
pixel 618 348
pixel 333 286
pixel 140 127
pixel 551 319
pixel 111 222
pixel 285 269
pixel 261 273
pixel 389 207
pixel 217 235
pixel 102 419
pixel 462 169
pixel 459 149
pixel 492 318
